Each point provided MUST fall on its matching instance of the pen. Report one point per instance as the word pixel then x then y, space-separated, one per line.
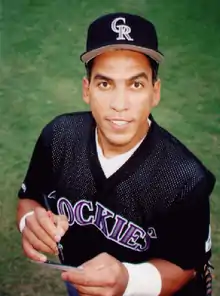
pixel 50 215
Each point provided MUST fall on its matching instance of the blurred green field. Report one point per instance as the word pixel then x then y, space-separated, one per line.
pixel 41 41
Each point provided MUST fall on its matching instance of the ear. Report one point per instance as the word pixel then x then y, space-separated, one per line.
pixel 156 97
pixel 85 90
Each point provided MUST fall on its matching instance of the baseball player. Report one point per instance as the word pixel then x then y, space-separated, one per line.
pixel 129 203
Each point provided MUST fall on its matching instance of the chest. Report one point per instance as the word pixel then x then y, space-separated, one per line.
pixel 117 215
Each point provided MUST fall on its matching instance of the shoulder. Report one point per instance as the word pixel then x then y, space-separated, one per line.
pixel 67 123
pixel 185 167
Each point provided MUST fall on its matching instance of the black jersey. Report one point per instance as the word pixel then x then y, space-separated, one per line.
pixel 155 206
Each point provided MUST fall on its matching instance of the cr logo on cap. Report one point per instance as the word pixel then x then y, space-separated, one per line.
pixel 122 30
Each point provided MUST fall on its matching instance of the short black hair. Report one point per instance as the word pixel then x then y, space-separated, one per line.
pixel 154 67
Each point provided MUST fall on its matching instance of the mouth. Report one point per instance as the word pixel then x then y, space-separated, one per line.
pixel 119 122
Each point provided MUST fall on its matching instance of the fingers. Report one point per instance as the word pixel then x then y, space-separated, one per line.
pixel 45 222
pixel 31 253
pixel 90 283
pixel 42 242
pixel 102 275
pixel 82 290
pixel 34 227
pixel 41 233
pixel 62 224
pixel 91 277
pixel 96 272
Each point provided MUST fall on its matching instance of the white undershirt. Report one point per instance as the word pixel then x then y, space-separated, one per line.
pixel 111 165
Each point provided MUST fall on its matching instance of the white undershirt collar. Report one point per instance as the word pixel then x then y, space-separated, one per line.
pixel 111 165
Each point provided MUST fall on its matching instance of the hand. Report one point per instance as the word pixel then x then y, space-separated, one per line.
pixel 41 234
pixel 102 275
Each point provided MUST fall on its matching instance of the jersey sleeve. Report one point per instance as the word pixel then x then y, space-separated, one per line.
pixel 185 237
pixel 39 175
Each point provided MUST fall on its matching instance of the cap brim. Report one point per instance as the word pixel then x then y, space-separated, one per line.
pixel 155 55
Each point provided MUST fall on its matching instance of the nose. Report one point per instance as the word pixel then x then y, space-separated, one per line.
pixel 119 101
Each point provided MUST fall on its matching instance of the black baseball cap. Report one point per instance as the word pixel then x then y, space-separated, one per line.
pixel 121 31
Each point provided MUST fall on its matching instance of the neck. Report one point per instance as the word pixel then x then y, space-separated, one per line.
pixel 110 149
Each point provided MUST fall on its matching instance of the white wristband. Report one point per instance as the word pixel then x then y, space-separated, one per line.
pixel 22 221
pixel 144 280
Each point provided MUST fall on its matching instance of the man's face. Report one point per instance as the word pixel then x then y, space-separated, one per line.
pixel 121 95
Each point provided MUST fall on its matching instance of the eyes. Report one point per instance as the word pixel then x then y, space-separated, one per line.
pixel 104 85
pixel 135 85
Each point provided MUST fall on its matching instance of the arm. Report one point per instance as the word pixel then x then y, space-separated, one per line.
pixel 104 275
pixel 157 277
pixel 184 250
pixel 37 177
pixel 40 232
pixel 172 276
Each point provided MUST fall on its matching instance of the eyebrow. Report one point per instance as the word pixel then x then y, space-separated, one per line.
pixel 102 77
pixel 137 76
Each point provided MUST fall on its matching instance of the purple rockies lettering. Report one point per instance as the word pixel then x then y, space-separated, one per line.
pixel 64 207
pixel 131 235
pixel 117 228
pixel 78 210
pixel 101 216
pixel 123 233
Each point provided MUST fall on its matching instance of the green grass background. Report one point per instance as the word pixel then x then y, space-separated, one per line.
pixel 41 41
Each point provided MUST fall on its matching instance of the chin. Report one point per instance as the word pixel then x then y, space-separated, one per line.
pixel 119 140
